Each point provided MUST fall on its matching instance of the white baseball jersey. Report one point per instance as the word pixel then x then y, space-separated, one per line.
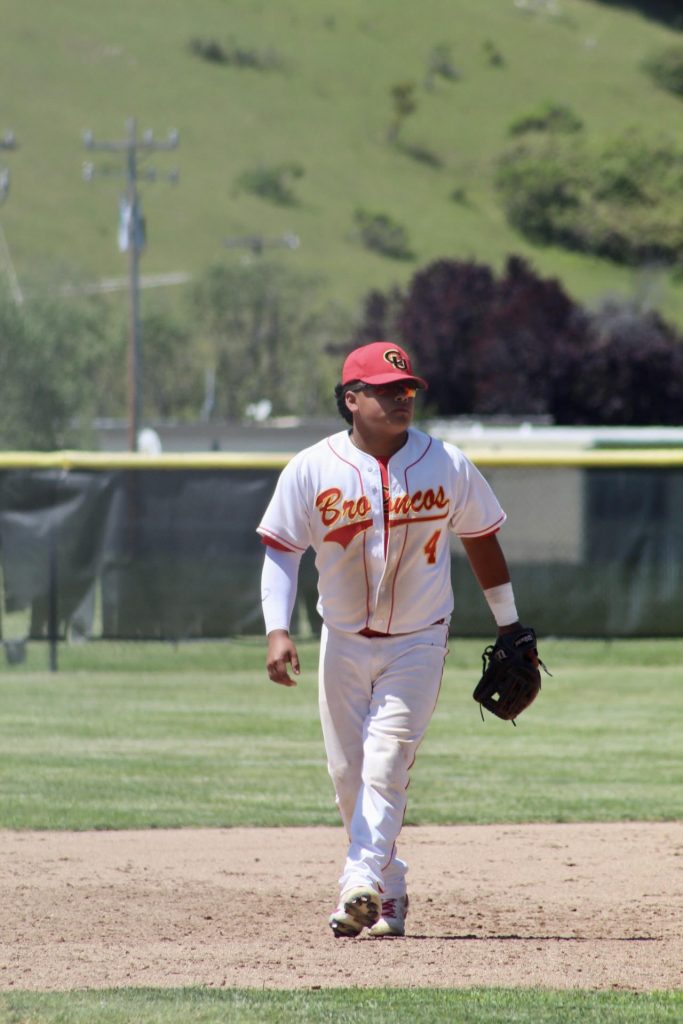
pixel 329 497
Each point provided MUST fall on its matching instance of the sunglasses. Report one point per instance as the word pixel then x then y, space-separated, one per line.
pixel 382 390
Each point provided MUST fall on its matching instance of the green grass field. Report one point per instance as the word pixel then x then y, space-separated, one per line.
pixel 75 65
pixel 135 736
pixel 144 735
pixel 345 1006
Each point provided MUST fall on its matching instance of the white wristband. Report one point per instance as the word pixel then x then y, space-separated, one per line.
pixel 501 601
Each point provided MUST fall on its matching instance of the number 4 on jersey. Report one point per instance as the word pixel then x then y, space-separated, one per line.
pixel 430 547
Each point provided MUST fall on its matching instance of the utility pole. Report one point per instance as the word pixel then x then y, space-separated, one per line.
pixel 131 240
pixel 8 141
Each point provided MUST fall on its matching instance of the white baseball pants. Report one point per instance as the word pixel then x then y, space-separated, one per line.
pixel 377 696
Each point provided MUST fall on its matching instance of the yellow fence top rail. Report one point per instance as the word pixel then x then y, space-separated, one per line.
pixel 481 455
pixel 68 460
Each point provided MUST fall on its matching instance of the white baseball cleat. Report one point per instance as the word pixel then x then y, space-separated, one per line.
pixel 358 908
pixel 393 919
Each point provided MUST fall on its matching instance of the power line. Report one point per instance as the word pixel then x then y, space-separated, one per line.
pixel 131 238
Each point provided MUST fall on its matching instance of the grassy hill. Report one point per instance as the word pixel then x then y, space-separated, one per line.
pixel 78 64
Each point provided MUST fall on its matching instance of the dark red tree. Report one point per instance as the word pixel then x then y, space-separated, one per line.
pixel 443 315
pixel 519 346
pixel 631 373
pixel 531 338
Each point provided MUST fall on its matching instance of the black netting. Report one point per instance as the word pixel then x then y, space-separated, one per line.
pixel 173 553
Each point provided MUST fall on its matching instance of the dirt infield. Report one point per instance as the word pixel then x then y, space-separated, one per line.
pixel 560 906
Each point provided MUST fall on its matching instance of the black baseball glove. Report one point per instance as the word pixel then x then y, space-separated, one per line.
pixel 511 679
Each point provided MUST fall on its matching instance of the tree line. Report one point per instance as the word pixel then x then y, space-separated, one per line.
pixel 256 332
pixel 511 345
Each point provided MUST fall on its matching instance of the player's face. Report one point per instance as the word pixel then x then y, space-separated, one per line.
pixel 384 408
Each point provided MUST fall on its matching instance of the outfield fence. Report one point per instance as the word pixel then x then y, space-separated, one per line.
pixel 130 546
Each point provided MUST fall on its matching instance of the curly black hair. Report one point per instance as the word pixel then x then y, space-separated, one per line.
pixel 340 397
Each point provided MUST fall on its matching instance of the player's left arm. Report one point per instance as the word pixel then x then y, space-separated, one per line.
pixel 490 568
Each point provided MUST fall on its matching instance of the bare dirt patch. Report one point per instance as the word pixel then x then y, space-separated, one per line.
pixel 559 906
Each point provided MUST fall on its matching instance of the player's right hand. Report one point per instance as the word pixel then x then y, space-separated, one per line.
pixel 281 653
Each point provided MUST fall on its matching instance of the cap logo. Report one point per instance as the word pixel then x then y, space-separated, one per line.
pixel 396 359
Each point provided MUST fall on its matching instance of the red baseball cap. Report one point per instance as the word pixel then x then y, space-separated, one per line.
pixel 381 362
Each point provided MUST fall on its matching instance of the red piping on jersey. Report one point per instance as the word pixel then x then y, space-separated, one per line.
pixel 405 538
pixel 365 563
pixel 485 533
pixel 393 848
pixel 269 542
pixel 274 540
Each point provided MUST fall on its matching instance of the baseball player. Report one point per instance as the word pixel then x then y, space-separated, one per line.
pixel 377 502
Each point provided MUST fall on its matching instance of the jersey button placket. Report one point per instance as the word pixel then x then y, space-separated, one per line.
pixel 371 479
